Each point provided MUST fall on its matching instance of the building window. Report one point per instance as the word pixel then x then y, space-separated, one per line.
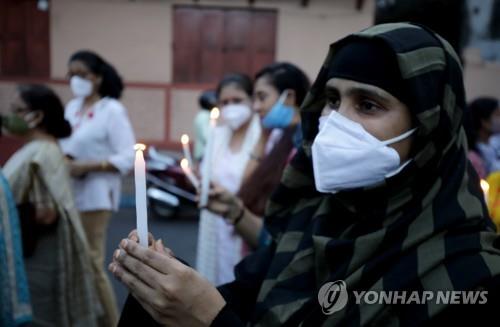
pixel 210 42
pixel 24 39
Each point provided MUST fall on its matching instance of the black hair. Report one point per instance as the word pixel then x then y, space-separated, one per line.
pixel 207 100
pixel 476 112
pixel 241 81
pixel 112 84
pixel 40 97
pixel 284 75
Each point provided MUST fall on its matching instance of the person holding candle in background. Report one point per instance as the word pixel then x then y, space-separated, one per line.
pixel 100 149
pixel 237 133
pixel 56 252
pixel 279 90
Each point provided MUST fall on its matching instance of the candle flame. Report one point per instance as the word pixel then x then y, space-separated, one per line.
pixel 185 139
pixel 485 186
pixel 214 114
pixel 139 147
pixel 184 163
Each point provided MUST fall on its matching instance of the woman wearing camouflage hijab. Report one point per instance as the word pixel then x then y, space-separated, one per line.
pixel 380 198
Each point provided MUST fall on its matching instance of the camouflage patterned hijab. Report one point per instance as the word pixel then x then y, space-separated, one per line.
pixel 424 229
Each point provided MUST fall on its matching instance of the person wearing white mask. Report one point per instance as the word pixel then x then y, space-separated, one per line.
pixel 279 90
pixel 351 150
pixel 239 130
pixel 100 150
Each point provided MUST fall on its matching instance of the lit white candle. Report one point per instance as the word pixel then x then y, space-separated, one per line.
pixel 486 188
pixel 207 158
pixel 186 149
pixel 189 173
pixel 141 209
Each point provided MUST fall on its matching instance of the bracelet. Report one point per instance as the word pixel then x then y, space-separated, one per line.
pixel 240 216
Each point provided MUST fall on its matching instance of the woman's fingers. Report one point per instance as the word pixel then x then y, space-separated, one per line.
pixel 141 270
pixel 171 292
pixel 220 195
pixel 134 236
pixel 227 197
pixel 218 207
pixel 159 261
pixel 134 284
pixel 160 247
pixel 151 239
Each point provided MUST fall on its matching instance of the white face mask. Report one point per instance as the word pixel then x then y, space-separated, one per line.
pixel 346 156
pixel 80 87
pixel 235 115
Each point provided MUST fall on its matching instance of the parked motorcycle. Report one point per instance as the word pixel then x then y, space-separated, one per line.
pixel 167 187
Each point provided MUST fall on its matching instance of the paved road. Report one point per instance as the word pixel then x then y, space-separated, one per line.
pixel 179 234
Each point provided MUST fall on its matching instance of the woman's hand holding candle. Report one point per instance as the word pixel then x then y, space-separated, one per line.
pixel 224 203
pixel 156 245
pixel 171 292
